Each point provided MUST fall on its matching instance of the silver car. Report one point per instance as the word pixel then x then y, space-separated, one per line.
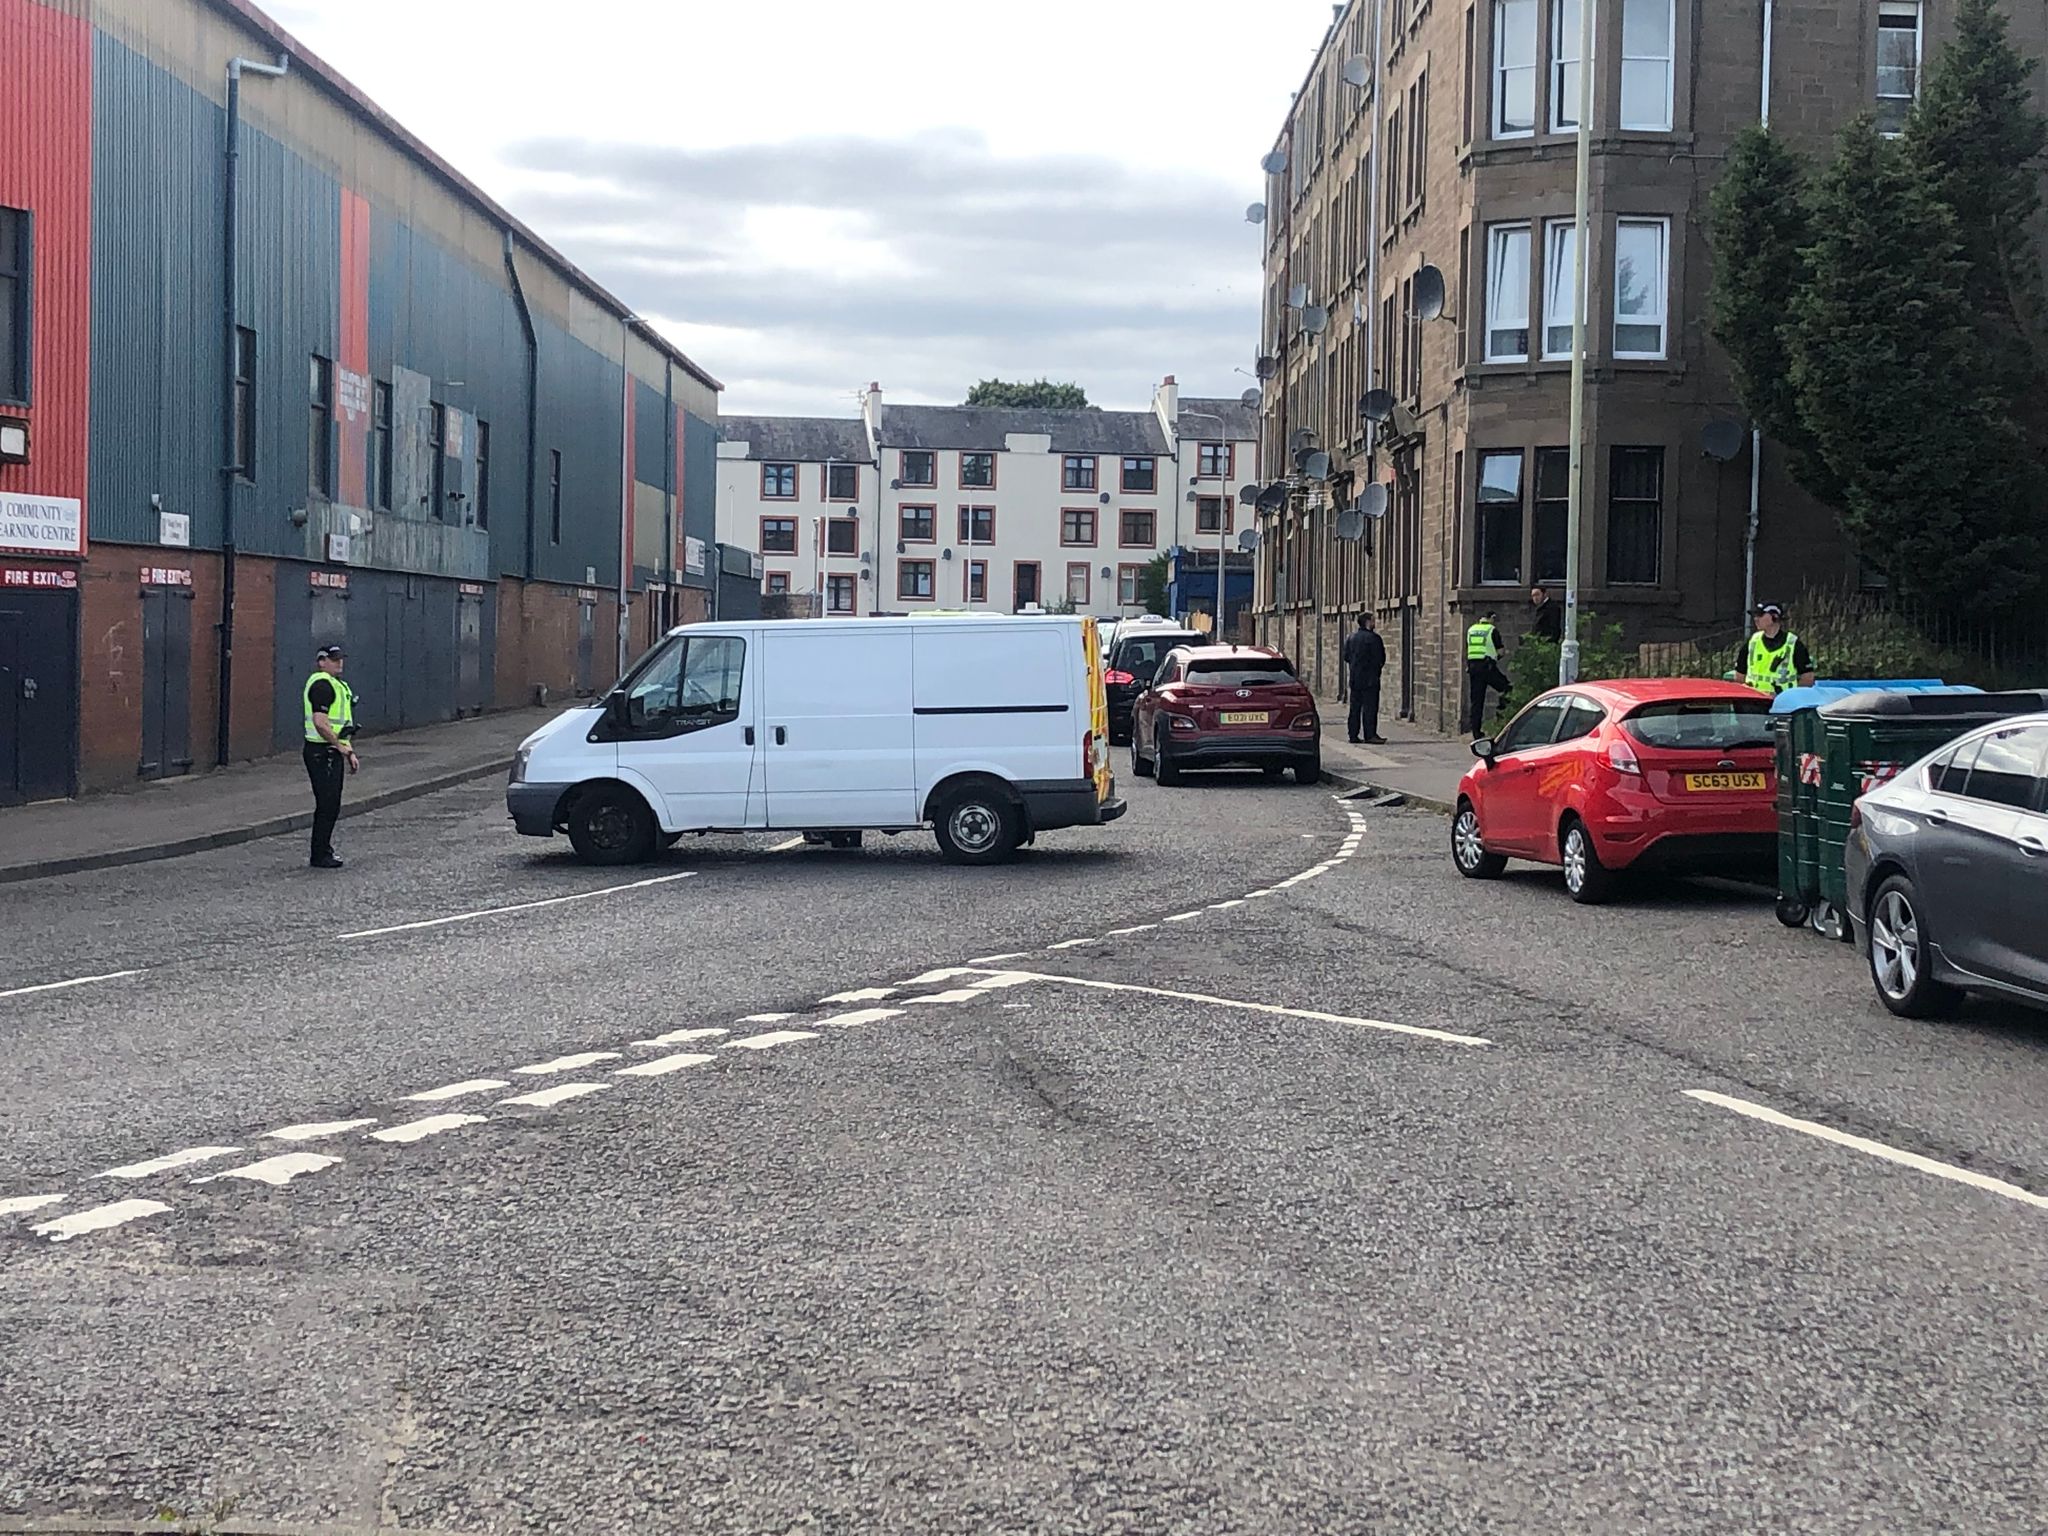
pixel 1948 873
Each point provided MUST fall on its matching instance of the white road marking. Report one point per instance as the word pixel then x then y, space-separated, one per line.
pixel 547 1098
pixel 566 1063
pixel 769 1041
pixel 170 1160
pixel 684 1036
pixel 22 1204
pixel 933 978
pixel 996 981
pixel 662 1065
pixel 1118 933
pixel 98 1219
pixel 1225 906
pixel 996 959
pixel 1074 943
pixel 524 906
pixel 953 995
pixel 457 1090
pixel 315 1130
pixel 858 1016
pixel 794 842
pixel 275 1171
pixel 860 995
pixel 766 1018
pixel 1183 917
pixel 1255 895
pixel 432 1125
pixel 1447 1036
pixel 1904 1159
pixel 76 981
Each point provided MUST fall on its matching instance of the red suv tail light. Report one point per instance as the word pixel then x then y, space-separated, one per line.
pixel 1118 679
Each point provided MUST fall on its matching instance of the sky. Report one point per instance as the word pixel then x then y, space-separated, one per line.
pixel 806 195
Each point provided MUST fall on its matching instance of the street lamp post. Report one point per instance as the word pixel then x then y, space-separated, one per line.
pixel 1568 651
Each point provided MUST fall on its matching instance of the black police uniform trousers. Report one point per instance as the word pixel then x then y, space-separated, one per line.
pixel 1365 706
pixel 1481 674
pixel 327 769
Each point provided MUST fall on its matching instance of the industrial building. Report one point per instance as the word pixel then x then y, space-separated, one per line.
pixel 274 375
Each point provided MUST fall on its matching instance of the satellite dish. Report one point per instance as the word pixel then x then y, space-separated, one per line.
pixel 1304 437
pixel 1273 497
pixel 1376 405
pixel 1429 293
pixel 1250 399
pixel 1315 319
pixel 866 557
pixel 1318 466
pixel 1357 70
pixel 1256 214
pixel 1274 163
pixel 1721 439
pixel 1297 296
pixel 1247 494
pixel 946 554
pixel 1105 498
pixel 1266 367
pixel 1301 459
pixel 1351 525
pixel 1372 501
pixel 895 485
pixel 1248 540
pixel 1107 573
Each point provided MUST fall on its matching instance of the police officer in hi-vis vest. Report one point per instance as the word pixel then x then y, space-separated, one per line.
pixel 1482 669
pixel 330 754
pixel 1774 658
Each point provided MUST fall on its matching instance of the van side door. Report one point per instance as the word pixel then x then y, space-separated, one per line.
pixel 835 719
pixel 684 724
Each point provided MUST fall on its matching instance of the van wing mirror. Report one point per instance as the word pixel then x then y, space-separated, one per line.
pixel 617 710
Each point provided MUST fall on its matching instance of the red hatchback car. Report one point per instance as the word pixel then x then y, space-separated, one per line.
pixel 1226 706
pixel 1672 776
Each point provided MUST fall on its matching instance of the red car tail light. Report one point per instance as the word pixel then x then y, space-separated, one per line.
pixel 1621 757
pixel 1118 679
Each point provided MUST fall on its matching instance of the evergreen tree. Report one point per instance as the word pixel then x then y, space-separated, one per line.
pixel 1041 394
pixel 1934 471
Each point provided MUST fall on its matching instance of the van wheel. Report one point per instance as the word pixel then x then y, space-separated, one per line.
pixel 1164 768
pixel 978 825
pixel 611 825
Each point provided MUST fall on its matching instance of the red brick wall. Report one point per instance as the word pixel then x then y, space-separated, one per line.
pixel 537 641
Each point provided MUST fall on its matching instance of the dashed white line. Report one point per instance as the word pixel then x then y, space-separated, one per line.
pixel 566 1063
pixel 765 1018
pixel 684 1036
pixel 1183 917
pixel 858 1016
pixel 997 981
pixel 524 906
pixel 996 959
pixel 1863 1144
pixel 769 1041
pixel 1225 906
pixel 1074 943
pixel 419 1130
pixel 947 973
pixel 1118 933
pixel 180 1159
pixel 98 1219
pixel 860 995
pixel 275 1171
pixel 547 1098
pixel 22 1204
pixel 952 995
pixel 662 1065
pixel 59 986
pixel 315 1130
pixel 459 1090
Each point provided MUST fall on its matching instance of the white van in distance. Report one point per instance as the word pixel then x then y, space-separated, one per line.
pixel 989 730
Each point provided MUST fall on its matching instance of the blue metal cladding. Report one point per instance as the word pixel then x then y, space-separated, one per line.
pixel 650 434
pixel 582 400
pixel 700 492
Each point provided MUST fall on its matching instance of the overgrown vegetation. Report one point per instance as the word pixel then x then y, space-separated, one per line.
pixel 1040 394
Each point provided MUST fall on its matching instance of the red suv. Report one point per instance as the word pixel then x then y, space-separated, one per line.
pixel 1226 706
pixel 1673 776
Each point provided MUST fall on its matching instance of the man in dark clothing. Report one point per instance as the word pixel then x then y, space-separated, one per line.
pixel 330 754
pixel 1546 617
pixel 1365 655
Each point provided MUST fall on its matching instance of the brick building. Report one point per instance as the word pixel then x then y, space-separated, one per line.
pixel 1455 150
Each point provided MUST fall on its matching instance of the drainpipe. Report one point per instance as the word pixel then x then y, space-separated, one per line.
pixel 230 282
pixel 672 490
pixel 1756 433
pixel 532 397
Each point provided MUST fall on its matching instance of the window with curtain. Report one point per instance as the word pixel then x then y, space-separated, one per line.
pixel 1514 68
pixel 1564 65
pixel 1560 307
pixel 1507 293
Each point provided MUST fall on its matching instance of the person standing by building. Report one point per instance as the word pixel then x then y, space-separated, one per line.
pixel 330 754
pixel 1482 669
pixel 1774 658
pixel 1546 619
pixel 1365 657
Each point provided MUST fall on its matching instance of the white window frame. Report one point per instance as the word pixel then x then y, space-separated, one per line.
pixel 1668 58
pixel 1564 55
pixel 1559 239
pixel 1888 9
pixel 1501 69
pixel 1662 290
pixel 1500 237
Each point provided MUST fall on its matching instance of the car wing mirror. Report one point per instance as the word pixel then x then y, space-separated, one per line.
pixel 1485 750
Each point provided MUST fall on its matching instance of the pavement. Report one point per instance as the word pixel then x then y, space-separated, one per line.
pixel 167 818
pixel 1419 765
pixel 1238 1168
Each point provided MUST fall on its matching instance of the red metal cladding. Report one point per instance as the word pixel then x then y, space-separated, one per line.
pixel 46 169
pixel 352 403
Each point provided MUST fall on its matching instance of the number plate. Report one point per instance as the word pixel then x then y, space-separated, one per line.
pixel 1724 781
pixel 1243 717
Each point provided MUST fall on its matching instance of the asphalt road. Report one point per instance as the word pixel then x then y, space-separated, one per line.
pixel 1338 1194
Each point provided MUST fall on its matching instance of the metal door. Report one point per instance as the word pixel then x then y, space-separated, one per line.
pixel 38 695
pixel 469 654
pixel 166 682
pixel 586 649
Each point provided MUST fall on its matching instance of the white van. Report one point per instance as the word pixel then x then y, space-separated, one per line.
pixel 989 730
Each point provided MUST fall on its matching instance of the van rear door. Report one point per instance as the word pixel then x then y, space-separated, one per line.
pixel 999 699
pixel 836 716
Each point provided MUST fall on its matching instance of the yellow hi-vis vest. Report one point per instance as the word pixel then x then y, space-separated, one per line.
pixel 1482 642
pixel 1771 670
pixel 340 713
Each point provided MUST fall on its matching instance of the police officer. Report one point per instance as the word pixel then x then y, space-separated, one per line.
pixel 330 754
pixel 1365 656
pixel 1774 658
pixel 1482 668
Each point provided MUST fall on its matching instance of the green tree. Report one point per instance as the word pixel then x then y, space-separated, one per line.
pixel 1041 395
pixel 1887 366
pixel 1152 585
